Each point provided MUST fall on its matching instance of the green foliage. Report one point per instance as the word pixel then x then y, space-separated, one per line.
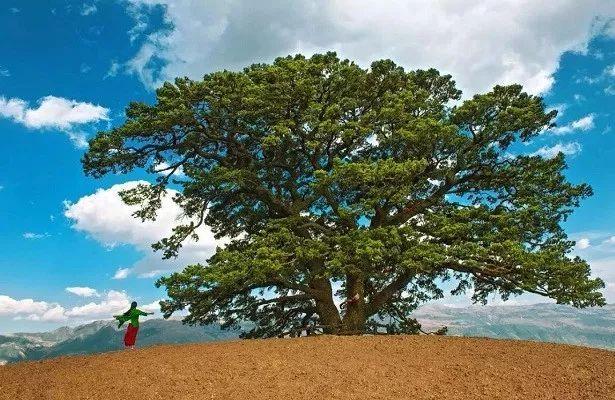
pixel 322 172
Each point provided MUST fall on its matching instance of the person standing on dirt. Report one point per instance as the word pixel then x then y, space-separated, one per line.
pixel 131 315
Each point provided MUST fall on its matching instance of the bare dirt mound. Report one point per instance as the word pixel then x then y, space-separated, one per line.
pixel 381 367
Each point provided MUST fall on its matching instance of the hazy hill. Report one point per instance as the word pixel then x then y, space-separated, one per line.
pixel 594 327
pixel 100 336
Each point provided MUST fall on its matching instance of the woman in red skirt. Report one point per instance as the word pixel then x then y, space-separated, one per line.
pixel 131 315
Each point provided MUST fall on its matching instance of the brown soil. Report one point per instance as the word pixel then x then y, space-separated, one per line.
pixel 367 367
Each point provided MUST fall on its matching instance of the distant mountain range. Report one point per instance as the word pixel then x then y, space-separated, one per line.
pixel 594 327
pixel 101 336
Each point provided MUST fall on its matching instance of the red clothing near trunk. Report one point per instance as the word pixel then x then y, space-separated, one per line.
pixel 131 335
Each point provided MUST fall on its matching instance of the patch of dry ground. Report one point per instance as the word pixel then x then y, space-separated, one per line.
pixel 366 367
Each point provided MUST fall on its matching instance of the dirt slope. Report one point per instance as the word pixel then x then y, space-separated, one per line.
pixel 382 367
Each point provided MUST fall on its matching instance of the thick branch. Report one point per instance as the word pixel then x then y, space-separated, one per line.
pixel 380 298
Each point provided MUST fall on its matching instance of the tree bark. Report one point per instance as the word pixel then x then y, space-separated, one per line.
pixel 325 307
pixel 354 318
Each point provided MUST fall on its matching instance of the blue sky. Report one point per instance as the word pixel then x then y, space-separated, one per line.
pixel 68 68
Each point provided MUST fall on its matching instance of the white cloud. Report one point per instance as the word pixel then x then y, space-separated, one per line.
pixel 121 273
pixel 582 124
pixel 10 306
pixel 5 73
pixel 610 70
pixel 114 303
pixel 32 235
pixel 107 219
pixel 113 70
pixel 57 112
pixel 83 291
pixel 79 139
pixel 54 113
pixel 14 10
pixel 481 43
pixel 151 307
pixel 610 240
pixel 568 149
pixel 55 313
pixel 88 9
pixel 140 64
pixel 13 108
pixel 610 90
pixel 583 244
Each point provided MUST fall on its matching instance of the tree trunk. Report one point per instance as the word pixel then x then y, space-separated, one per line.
pixel 354 318
pixel 325 307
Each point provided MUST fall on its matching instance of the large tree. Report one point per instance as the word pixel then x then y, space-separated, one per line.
pixel 336 182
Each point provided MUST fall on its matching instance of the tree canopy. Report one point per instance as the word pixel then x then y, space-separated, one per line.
pixel 370 187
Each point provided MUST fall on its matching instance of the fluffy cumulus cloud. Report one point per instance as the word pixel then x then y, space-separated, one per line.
pixel 151 307
pixel 54 113
pixel 111 303
pixel 107 219
pixel 57 112
pixel 568 149
pixel 585 123
pixel 82 291
pixel 583 244
pixel 10 306
pixel 54 313
pixel 481 42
